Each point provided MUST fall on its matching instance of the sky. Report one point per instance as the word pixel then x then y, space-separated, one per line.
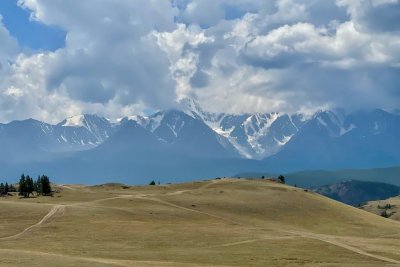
pixel 117 58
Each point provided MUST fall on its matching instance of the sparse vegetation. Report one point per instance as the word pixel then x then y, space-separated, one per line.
pixel 385 214
pixel 152 183
pixel 388 206
pixel 191 224
pixel 281 178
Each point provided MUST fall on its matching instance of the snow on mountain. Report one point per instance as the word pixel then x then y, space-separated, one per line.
pixel 192 131
pixel 85 130
pixel 334 122
pixel 75 121
pixel 150 123
pixel 32 139
pixel 185 134
pixel 335 140
pixel 253 135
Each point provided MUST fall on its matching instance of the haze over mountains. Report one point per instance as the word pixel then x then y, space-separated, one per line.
pixel 358 192
pixel 190 143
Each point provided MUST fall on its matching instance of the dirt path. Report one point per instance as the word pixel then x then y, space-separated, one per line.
pixel 331 240
pixel 187 209
pixel 177 192
pixel 189 190
pixel 103 199
pixel 323 238
pixel 251 241
pixel 58 210
pixel 106 261
pixel 67 187
pixel 55 211
pixel 209 184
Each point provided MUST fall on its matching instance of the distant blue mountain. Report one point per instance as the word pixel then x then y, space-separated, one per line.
pixel 191 143
pixel 327 141
pixel 32 140
pixel 358 192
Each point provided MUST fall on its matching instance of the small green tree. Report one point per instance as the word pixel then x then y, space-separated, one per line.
pixel 281 178
pixel 152 183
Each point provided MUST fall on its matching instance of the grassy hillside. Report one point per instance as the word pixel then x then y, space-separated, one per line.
pixel 381 206
pixel 319 177
pixel 228 222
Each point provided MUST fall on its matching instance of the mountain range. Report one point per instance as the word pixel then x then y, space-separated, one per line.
pixel 190 143
pixel 358 192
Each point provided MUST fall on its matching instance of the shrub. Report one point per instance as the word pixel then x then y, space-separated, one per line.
pixel 281 178
pixel 385 214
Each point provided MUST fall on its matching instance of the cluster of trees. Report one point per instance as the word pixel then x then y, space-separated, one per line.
pixel 41 186
pixel 5 188
pixel 386 207
pixel 386 213
pixel 280 179
pixel 153 182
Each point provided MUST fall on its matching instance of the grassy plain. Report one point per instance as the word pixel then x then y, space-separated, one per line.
pixel 228 222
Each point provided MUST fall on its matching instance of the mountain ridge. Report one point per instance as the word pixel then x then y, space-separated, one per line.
pixel 192 143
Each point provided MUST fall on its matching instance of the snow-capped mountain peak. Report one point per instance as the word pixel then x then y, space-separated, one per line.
pixel 84 130
pixel 253 135
pixel 74 121
pixel 334 122
pixel 84 120
pixel 150 123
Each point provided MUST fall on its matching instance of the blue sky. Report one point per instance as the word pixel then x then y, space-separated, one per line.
pixel 126 57
pixel 30 34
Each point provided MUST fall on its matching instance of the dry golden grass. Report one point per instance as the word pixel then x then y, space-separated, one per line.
pixel 227 222
pixel 376 207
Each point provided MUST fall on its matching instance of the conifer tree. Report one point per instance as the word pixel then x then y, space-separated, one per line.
pixel 281 178
pixel 22 186
pixel 38 184
pixel 12 188
pixel 29 185
pixel 45 184
pixel 6 189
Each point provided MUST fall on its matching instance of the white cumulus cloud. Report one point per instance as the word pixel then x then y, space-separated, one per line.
pixel 130 56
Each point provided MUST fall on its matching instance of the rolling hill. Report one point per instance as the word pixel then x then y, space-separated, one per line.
pixel 227 222
pixel 388 207
pixel 317 178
